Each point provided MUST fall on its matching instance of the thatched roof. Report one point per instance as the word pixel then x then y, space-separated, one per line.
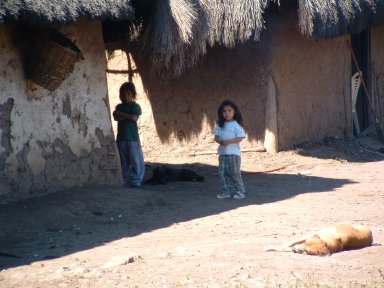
pixel 175 34
pixel 337 17
pixel 62 12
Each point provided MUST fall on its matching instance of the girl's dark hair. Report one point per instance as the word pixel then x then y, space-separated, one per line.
pixel 127 86
pixel 237 116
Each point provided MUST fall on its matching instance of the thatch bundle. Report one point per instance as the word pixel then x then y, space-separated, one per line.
pixel 236 21
pixel 178 32
pixel 168 33
pixel 61 12
pixel 176 35
pixel 337 17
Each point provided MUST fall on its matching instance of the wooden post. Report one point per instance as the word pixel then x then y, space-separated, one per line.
pixel 271 141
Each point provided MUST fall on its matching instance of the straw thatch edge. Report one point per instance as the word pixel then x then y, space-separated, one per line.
pixel 59 12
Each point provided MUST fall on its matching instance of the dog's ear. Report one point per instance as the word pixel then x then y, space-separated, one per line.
pixel 200 178
pixel 316 246
pixel 156 171
pixel 158 176
pixel 168 171
pixel 324 251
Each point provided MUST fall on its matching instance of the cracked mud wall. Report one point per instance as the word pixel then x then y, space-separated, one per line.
pixel 51 141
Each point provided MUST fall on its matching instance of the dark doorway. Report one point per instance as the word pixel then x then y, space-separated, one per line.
pixel 362 49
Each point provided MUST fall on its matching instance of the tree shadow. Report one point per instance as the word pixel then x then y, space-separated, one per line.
pixel 79 219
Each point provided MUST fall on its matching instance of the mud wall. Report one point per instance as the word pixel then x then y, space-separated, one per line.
pixel 55 140
pixel 312 78
pixel 290 89
pixel 377 75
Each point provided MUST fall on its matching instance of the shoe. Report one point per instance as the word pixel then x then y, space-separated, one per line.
pixel 135 186
pixel 223 196
pixel 239 196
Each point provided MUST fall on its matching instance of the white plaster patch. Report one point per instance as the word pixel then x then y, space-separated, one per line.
pixel 76 145
pixel 35 161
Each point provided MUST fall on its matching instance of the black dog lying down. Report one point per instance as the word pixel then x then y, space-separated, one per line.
pixel 164 174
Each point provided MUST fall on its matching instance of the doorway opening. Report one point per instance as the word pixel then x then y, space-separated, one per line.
pixel 361 45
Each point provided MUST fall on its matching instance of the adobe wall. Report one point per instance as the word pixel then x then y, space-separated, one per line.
pixel 55 140
pixel 312 78
pixel 290 89
pixel 377 76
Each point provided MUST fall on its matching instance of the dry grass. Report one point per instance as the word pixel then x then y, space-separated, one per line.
pixel 310 281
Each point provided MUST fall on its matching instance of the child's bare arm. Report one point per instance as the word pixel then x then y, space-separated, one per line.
pixel 118 116
pixel 217 139
pixel 232 141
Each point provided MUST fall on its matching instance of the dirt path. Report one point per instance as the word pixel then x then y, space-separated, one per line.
pixel 180 235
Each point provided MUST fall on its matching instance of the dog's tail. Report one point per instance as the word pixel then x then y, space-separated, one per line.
pixel 277 248
pixel 287 247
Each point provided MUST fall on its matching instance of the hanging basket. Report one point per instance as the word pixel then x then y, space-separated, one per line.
pixel 51 59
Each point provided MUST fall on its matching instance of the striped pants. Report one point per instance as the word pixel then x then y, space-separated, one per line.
pixel 230 174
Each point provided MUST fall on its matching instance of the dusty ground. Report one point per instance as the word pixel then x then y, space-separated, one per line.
pixel 180 235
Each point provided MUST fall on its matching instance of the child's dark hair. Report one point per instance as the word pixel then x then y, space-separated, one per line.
pixel 127 86
pixel 237 115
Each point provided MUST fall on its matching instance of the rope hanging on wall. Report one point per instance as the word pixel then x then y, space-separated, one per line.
pixel 51 58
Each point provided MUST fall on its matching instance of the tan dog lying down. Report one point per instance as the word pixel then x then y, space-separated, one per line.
pixel 329 240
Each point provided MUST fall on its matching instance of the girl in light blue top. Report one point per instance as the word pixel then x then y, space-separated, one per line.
pixel 229 133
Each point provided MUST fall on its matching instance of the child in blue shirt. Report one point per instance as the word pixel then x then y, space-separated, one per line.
pixel 128 142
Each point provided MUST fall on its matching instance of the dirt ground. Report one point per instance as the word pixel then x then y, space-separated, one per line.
pixel 180 235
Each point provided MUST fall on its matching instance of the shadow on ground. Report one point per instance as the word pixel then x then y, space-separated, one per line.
pixel 63 223
pixel 360 150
